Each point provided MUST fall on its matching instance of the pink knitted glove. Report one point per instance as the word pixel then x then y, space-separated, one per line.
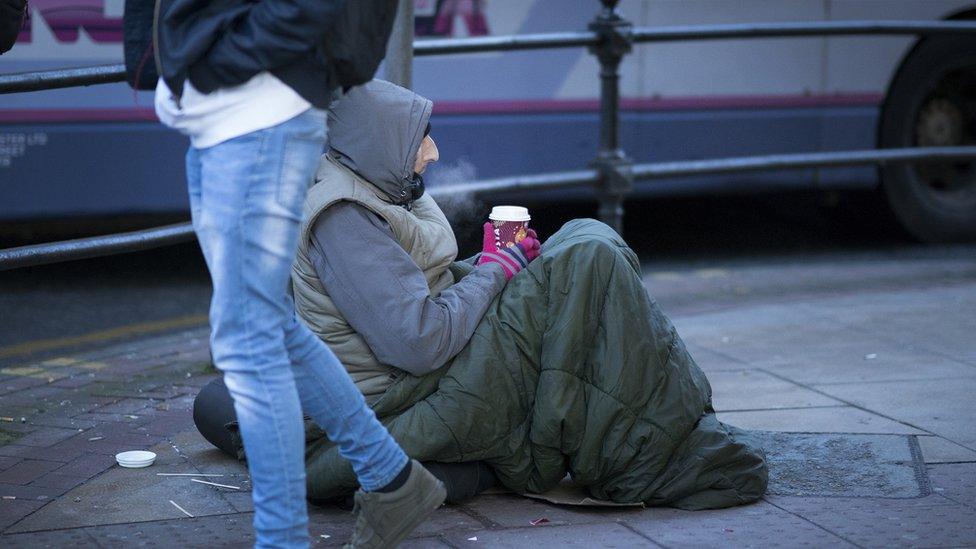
pixel 512 259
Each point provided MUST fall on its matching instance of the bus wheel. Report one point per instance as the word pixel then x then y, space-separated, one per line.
pixel 932 103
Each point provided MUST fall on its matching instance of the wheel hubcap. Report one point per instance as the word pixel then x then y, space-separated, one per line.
pixel 948 118
pixel 940 124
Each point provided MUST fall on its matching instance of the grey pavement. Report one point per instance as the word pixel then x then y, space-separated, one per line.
pixel 858 369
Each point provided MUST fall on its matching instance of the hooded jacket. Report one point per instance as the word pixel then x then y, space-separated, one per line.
pixel 375 131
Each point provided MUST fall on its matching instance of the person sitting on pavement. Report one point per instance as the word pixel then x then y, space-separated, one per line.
pixel 529 362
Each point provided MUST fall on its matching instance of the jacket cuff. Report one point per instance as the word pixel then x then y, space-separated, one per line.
pixel 500 275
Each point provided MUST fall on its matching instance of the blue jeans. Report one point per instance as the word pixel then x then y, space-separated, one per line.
pixel 246 199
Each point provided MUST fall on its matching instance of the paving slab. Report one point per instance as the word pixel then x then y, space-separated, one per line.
pixel 204 456
pixel 87 465
pixel 14 510
pixel 581 535
pixel 936 449
pixel 832 336
pixel 940 320
pixel 19 383
pixel 27 471
pixel 53 539
pixel 30 492
pixel 757 390
pixel 943 407
pixel 123 495
pixel 513 511
pixel 889 523
pixel 841 419
pixel 797 351
pixel 762 334
pixel 215 531
pixel 956 481
pixel 338 523
pixel 843 465
pixel 46 436
pixel 59 481
pixel 757 525
pixel 712 361
pixel 803 504
pixel 53 453
pixel 7 462
pixel 425 543
pixel 881 364
pixel 64 422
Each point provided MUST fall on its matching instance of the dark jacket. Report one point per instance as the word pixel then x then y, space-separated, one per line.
pixel 223 43
pixel 12 13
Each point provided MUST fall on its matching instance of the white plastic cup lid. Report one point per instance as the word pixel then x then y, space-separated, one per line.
pixel 135 458
pixel 509 213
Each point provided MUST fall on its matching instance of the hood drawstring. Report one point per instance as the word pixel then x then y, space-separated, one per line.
pixel 413 190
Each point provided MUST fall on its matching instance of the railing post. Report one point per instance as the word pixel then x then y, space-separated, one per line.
pixel 616 178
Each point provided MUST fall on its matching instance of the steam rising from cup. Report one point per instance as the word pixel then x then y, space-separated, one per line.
pixel 461 208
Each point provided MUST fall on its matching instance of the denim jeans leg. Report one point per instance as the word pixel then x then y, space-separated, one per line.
pixel 332 400
pixel 247 218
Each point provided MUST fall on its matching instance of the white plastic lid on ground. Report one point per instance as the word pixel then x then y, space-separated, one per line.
pixel 135 458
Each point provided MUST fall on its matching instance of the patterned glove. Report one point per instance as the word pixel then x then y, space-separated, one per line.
pixel 512 259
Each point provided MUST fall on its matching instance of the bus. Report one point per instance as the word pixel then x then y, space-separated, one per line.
pixel 79 153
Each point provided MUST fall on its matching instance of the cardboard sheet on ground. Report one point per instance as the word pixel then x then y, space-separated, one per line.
pixel 568 493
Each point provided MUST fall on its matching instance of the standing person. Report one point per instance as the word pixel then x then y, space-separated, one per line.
pixel 247 82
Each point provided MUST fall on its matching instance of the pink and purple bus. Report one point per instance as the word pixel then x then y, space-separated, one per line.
pixel 99 151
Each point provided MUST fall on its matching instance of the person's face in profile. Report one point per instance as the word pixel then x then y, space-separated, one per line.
pixel 426 154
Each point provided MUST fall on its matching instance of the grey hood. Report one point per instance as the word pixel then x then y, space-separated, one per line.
pixel 375 130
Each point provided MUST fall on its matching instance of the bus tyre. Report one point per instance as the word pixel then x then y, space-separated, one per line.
pixel 932 103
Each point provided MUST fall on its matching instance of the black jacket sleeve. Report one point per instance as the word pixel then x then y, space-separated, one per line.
pixel 12 13
pixel 273 34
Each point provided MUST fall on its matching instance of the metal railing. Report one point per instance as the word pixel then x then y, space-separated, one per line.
pixel 609 37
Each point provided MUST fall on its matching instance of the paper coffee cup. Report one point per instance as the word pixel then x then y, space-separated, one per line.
pixel 510 224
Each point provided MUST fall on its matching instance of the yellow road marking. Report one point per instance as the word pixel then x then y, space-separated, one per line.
pixel 22 371
pixel 144 328
pixel 666 275
pixel 712 273
pixel 54 369
pixel 61 361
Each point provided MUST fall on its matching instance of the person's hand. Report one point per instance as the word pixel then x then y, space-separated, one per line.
pixel 512 259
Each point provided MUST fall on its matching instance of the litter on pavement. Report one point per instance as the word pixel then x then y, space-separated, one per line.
pixel 185 512
pixel 215 484
pixel 189 475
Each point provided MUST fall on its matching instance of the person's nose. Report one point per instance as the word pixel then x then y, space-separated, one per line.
pixel 433 155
